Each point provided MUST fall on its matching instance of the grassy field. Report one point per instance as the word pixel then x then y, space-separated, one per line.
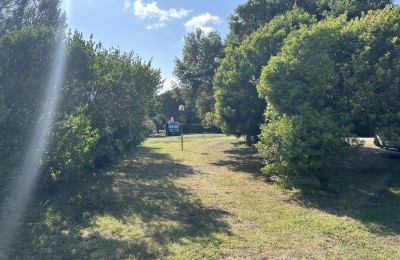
pixel 210 202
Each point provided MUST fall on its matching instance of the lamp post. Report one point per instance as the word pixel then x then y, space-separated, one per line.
pixel 181 108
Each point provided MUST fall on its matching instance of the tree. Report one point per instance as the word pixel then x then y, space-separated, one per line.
pixel 73 137
pixel 239 110
pixel 48 13
pixel 17 13
pixel 253 14
pixel 353 8
pixel 170 101
pixel 11 14
pixel 307 120
pixel 28 42
pixel 373 73
pixel 26 57
pixel 78 89
pixel 195 70
pixel 106 98
pixel 122 97
pixel 70 153
pixel 323 80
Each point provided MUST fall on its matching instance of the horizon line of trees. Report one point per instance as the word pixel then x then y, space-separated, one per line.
pixel 298 78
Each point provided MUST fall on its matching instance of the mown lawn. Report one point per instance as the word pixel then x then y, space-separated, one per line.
pixel 210 202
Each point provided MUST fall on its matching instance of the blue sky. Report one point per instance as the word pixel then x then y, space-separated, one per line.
pixel 152 29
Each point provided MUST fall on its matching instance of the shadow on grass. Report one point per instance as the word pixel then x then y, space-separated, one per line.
pixel 133 211
pixel 366 188
pixel 242 159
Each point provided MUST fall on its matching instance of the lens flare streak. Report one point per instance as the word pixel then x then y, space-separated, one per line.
pixel 16 202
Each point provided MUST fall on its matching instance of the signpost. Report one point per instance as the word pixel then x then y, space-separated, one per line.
pixel 181 109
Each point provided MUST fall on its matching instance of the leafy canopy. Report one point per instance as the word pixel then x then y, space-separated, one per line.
pixel 195 70
pixel 239 110
pixel 324 79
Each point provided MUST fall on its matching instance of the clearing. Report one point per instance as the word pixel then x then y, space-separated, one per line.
pixel 210 202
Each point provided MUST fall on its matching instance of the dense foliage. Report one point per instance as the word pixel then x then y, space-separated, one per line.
pixel 26 56
pixel 253 14
pixel 324 79
pixel 329 70
pixel 15 14
pixel 195 71
pixel 373 74
pixel 107 96
pixel 306 119
pixel 304 76
pixel 239 110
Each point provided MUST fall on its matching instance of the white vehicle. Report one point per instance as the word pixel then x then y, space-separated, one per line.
pixel 387 139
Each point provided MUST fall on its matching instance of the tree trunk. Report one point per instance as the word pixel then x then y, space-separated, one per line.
pixel 248 140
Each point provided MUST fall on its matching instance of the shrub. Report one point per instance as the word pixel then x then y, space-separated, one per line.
pixel 70 151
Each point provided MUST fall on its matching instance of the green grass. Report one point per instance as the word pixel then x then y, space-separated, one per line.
pixel 210 202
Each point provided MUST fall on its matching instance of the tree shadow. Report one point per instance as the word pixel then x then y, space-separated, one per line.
pixel 242 158
pixel 366 188
pixel 134 210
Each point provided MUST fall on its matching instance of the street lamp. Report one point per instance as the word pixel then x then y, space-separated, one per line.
pixel 181 108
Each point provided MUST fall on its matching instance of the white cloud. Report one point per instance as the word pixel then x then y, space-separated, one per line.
pixel 156 26
pixel 151 11
pixel 127 5
pixel 203 22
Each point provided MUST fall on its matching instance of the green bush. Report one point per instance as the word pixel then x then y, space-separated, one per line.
pixel 193 128
pixel 118 90
pixel 212 129
pixel 307 119
pixel 71 148
pixel 199 128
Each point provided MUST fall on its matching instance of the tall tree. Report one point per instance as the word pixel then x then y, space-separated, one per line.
pixel 239 110
pixel 12 14
pixel 49 13
pixel 374 71
pixel 170 101
pixel 107 98
pixel 253 14
pixel 26 57
pixel 195 71
pixel 306 121
pixel 16 13
pixel 122 96
pixel 324 79
pixel 353 8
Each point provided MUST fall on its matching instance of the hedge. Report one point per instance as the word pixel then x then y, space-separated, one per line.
pixel 198 129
